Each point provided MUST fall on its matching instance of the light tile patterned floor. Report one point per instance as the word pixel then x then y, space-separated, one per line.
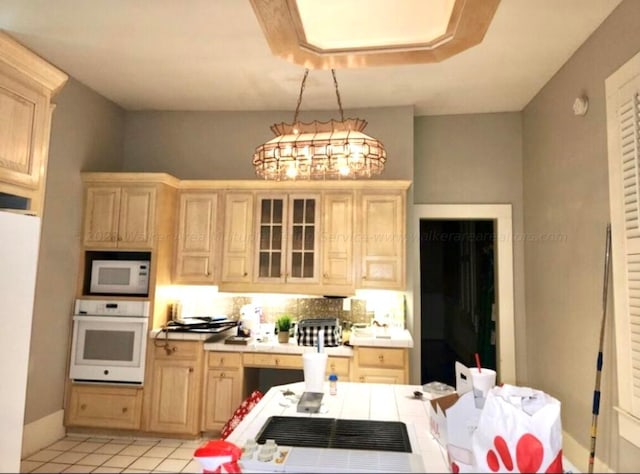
pixel 84 453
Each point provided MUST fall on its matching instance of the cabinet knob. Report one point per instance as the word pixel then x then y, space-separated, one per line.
pixel 333 367
pixel 221 375
pixel 206 273
pixel 221 360
pixel 362 378
pixel 277 361
pixel 325 275
pixel 364 277
pixel 190 369
pixel 245 274
pixel 83 406
pixel 125 409
pixel 381 358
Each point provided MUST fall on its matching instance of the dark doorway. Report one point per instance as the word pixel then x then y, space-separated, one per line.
pixel 457 296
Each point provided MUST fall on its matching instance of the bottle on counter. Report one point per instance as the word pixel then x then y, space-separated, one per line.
pixel 333 384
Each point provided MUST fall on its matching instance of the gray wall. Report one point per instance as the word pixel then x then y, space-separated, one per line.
pixel 86 134
pixel 220 145
pixel 566 191
pixel 475 159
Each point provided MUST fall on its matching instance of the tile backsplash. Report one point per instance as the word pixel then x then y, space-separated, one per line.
pixel 386 306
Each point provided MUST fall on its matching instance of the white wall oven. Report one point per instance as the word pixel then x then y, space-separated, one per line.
pixel 109 341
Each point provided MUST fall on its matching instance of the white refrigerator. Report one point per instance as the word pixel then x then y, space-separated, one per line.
pixel 19 242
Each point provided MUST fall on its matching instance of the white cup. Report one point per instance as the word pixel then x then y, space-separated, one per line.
pixel 314 365
pixel 482 381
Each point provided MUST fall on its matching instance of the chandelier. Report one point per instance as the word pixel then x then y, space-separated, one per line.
pixel 319 150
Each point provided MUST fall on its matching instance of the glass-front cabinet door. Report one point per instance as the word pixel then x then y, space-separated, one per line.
pixel 272 221
pixel 288 239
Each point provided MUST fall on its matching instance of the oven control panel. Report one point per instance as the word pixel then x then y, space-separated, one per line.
pixel 112 308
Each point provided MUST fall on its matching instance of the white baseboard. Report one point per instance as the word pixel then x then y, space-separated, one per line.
pixel 578 456
pixel 43 432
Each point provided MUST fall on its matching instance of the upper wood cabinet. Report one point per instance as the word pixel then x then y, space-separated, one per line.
pixel 119 216
pixel 27 85
pixel 287 227
pixel 128 210
pixel 237 253
pixel 383 240
pixel 337 240
pixel 195 256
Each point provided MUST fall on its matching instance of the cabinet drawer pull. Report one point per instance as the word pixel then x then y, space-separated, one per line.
pixel 333 367
pixel 221 360
pixel 277 361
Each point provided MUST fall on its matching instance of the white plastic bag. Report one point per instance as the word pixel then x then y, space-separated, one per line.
pixel 519 430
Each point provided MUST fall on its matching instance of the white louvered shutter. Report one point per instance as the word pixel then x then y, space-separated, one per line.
pixel 623 121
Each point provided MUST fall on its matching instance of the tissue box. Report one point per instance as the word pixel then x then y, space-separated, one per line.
pixel 307 332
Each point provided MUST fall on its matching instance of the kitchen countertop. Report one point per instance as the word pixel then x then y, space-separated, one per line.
pixel 381 337
pixel 356 401
pixel 399 338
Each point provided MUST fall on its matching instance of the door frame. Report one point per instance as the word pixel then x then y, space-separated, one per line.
pixel 501 214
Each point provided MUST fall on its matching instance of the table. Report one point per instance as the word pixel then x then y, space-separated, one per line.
pixel 357 401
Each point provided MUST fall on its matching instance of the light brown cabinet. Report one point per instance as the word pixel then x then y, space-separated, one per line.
pixel 195 256
pixel 102 406
pixel 287 250
pixel 238 243
pixel 223 378
pixel 337 242
pixel 119 216
pixel 380 365
pixel 27 85
pixel 383 240
pixel 175 388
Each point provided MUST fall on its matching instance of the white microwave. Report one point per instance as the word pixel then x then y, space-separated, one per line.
pixel 119 277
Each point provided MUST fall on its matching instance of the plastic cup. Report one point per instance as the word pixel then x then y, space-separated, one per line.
pixel 482 381
pixel 314 365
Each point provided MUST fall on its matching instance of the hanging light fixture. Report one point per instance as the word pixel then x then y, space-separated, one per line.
pixel 320 150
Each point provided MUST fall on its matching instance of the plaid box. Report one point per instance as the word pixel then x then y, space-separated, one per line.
pixel 307 332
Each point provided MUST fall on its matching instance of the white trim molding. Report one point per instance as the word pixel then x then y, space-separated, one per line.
pixel 501 214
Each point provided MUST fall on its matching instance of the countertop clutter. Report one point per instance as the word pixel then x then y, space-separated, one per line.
pixel 353 401
pixel 391 338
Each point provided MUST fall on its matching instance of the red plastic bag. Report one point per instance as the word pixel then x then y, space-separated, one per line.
pixel 519 430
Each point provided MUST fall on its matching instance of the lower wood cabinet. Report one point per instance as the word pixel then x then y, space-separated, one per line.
pixel 176 381
pixel 222 394
pixel 102 406
pixel 380 365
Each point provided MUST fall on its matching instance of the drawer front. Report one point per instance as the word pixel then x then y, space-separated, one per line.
pixel 338 366
pixel 105 408
pixel 283 361
pixel 388 376
pixel 382 357
pixel 227 360
pixel 176 350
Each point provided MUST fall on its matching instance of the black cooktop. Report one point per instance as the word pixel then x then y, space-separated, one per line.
pixel 370 435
